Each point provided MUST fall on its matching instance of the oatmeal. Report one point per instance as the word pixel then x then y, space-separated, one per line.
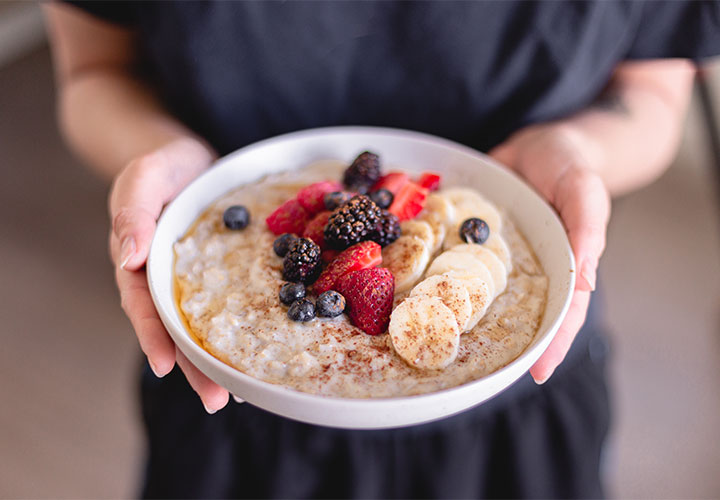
pixel 227 285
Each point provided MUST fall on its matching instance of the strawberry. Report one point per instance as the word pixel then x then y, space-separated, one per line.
pixel 329 255
pixel 409 201
pixel 359 256
pixel 311 197
pixel 315 229
pixel 369 295
pixel 393 182
pixel 290 217
pixel 429 180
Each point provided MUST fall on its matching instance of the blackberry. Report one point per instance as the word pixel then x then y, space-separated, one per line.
pixel 330 304
pixel 362 173
pixel 352 223
pixel 282 243
pixel 474 230
pixel 387 229
pixel 301 310
pixel 290 292
pixel 302 262
pixel 382 198
pixel 335 199
pixel 236 217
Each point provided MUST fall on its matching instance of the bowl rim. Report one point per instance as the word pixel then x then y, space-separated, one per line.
pixel 185 341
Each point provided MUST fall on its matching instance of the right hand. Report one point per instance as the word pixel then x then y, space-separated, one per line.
pixel 138 195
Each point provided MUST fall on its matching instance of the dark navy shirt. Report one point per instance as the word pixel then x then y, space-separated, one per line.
pixel 237 72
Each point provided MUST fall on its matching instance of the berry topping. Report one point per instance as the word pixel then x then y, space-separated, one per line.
pixel 315 229
pixel 236 217
pixel 302 262
pixel 290 217
pixel 352 222
pixel 335 199
pixel 429 180
pixel 474 230
pixel 330 304
pixel 311 197
pixel 282 243
pixel 409 201
pixel 301 310
pixel 328 255
pixel 383 198
pixel 392 182
pixel 387 230
pixel 363 173
pixel 290 292
pixel 361 256
pixel 369 295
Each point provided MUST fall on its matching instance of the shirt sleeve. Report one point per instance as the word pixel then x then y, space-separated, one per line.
pixel 668 29
pixel 117 11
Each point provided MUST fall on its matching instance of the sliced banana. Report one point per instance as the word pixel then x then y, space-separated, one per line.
pixel 479 293
pixel 496 244
pixel 452 238
pixel 453 294
pixel 424 332
pixel 481 209
pixel 438 228
pixel 421 229
pixel 487 257
pixel 440 206
pixel 465 263
pixel 406 258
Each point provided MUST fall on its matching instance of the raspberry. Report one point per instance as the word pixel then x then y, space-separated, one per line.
pixel 352 223
pixel 302 262
pixel 363 173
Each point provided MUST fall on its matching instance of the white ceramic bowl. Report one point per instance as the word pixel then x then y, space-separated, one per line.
pixel 408 150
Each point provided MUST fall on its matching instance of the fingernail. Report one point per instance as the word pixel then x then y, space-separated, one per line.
pixel 588 274
pixel 208 409
pixel 543 379
pixel 237 399
pixel 155 369
pixel 127 250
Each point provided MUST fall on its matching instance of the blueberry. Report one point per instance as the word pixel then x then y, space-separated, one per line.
pixel 236 217
pixel 301 310
pixel 330 304
pixel 282 244
pixel 335 199
pixel 474 230
pixel 382 198
pixel 290 292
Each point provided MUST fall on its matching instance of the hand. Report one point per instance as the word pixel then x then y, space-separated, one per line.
pixel 137 197
pixel 559 162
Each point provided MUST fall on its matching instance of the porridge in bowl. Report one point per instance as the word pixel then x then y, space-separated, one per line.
pixel 438 287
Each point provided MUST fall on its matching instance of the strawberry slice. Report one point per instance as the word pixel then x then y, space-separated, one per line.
pixel 429 180
pixel 329 255
pixel 359 256
pixel 409 201
pixel 311 197
pixel 290 217
pixel 369 295
pixel 315 229
pixel 393 182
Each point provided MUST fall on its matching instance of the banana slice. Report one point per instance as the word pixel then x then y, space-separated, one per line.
pixel 496 244
pixel 453 294
pixel 424 332
pixel 438 228
pixel 465 264
pixel 479 293
pixel 420 229
pixel 452 238
pixel 407 257
pixel 480 208
pixel 440 206
pixel 487 257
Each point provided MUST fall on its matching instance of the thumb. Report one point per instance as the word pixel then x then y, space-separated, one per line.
pixel 134 228
pixel 505 153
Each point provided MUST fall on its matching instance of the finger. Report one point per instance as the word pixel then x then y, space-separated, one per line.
pixel 560 345
pixel 584 206
pixel 143 188
pixel 212 395
pixel 505 153
pixel 154 340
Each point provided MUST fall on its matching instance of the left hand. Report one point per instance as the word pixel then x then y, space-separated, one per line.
pixel 559 161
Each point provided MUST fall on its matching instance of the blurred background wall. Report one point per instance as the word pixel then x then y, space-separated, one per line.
pixel 69 362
